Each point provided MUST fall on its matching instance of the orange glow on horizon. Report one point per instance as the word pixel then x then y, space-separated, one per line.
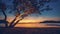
pixel 26 20
pixel 33 19
pixel 30 21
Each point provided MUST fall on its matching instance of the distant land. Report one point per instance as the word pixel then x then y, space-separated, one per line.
pixel 50 22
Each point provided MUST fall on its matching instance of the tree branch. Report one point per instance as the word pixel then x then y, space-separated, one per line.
pixel 16 22
pixel 4 15
pixel 12 22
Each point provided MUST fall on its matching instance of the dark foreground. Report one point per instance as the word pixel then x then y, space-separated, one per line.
pixel 29 30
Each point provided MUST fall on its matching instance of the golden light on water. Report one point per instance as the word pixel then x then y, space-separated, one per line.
pixel 34 25
pixel 30 25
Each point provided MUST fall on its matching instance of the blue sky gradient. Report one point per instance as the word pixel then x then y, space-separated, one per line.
pixel 55 13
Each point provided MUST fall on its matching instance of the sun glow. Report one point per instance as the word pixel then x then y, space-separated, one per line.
pixel 27 21
pixel 33 19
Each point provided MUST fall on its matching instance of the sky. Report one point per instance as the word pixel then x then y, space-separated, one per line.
pixel 46 15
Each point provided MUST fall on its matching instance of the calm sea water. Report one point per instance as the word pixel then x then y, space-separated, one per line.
pixel 38 25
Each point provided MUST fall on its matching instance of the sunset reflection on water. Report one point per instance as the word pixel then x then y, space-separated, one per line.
pixel 34 25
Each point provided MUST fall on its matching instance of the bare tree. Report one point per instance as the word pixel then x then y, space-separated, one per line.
pixel 3 8
pixel 26 7
pixel 23 8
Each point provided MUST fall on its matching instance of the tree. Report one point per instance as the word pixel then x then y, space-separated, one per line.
pixel 23 8
pixel 3 8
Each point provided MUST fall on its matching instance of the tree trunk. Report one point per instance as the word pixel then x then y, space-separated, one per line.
pixel 5 18
pixel 15 23
pixel 12 22
pixel 4 15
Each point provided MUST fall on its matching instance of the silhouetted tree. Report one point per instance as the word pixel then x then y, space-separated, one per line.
pixel 26 7
pixel 3 8
pixel 23 8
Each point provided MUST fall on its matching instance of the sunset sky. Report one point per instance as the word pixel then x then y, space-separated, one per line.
pixel 47 15
pixel 53 15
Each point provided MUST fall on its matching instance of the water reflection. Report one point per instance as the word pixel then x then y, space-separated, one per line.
pixel 38 25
